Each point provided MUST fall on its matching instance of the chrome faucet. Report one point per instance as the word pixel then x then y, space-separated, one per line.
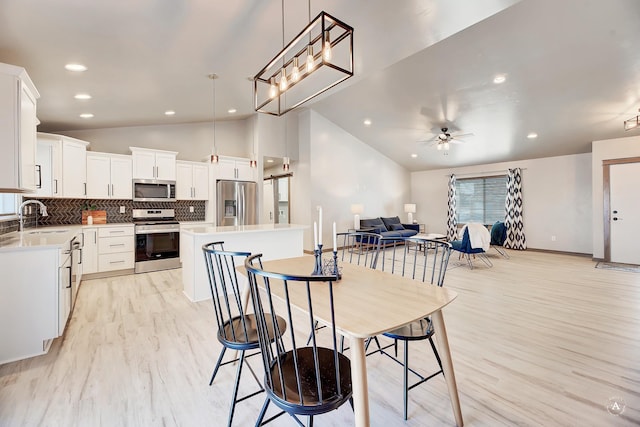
pixel 43 211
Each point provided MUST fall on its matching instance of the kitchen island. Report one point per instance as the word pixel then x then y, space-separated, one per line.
pixel 274 241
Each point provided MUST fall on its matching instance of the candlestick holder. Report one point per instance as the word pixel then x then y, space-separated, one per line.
pixel 336 271
pixel 317 269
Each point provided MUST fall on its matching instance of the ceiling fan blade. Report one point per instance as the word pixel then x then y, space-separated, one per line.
pixel 462 135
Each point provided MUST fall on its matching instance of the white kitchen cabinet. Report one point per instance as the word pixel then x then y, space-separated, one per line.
pixel 234 168
pixel 90 250
pixel 63 163
pixel 49 165
pixel 192 181
pixel 153 164
pixel 18 121
pixel 74 168
pixel 35 300
pixel 109 176
pixel 116 246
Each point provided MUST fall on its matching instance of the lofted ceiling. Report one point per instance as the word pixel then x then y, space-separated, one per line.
pixel 572 68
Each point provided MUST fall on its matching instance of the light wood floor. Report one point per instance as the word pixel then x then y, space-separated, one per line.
pixel 538 340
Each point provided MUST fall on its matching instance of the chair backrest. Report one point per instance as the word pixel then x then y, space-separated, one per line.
pixel 293 373
pixel 361 248
pixel 498 233
pixel 426 260
pixel 225 291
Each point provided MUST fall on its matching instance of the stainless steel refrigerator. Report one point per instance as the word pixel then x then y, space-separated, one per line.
pixel 237 202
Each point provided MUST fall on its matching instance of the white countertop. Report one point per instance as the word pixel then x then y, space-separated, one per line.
pixel 212 229
pixel 57 236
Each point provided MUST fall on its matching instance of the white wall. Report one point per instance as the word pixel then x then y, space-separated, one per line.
pixel 618 148
pixel 344 170
pixel 192 141
pixel 556 192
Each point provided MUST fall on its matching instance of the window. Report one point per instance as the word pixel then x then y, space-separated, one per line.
pixel 481 199
pixel 8 203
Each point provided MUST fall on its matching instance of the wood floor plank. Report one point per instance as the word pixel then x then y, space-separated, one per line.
pixel 539 339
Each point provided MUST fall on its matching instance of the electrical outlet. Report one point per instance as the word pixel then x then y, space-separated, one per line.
pixel 123 209
pixel 191 209
pixel 553 238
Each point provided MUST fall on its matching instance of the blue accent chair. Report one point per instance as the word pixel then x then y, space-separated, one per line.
pixel 498 236
pixel 464 247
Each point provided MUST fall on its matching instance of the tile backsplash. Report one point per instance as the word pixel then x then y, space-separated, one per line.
pixel 69 211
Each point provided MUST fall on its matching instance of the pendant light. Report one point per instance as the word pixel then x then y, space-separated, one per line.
pixel 253 162
pixel 214 153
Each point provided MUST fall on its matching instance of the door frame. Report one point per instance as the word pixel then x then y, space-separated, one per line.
pixel 606 193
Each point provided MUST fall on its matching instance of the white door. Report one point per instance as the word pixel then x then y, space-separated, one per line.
pixel 144 165
pixel 98 176
pixel 74 170
pixel 184 181
pixel 121 174
pixel 201 182
pixel 166 166
pixel 44 159
pixel 268 216
pixel 625 213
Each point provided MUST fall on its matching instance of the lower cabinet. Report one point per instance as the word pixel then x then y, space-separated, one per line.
pixel 115 248
pixel 35 300
pixel 90 251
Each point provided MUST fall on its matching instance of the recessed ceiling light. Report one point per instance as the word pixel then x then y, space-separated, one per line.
pixel 86 115
pixel 231 110
pixel 169 113
pixel 500 78
pixel 269 160
pixel 75 67
pixel 414 155
pixel 367 122
pixel 532 135
pixel 82 96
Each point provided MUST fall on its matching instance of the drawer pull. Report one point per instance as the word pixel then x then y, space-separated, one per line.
pixel 116 262
pixel 118 244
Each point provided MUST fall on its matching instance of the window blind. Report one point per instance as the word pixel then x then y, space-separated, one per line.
pixel 481 199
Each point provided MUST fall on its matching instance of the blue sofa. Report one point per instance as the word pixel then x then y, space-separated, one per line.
pixel 389 227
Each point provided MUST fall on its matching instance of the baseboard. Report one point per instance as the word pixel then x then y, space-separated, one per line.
pixel 582 254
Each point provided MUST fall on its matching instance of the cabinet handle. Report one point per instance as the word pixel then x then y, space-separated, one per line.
pixel 85 188
pixel 55 184
pixel 39 172
pixel 108 190
pixel 116 262
pixel 112 192
pixel 80 256
pixel 70 277
pixel 116 231
pixel 117 244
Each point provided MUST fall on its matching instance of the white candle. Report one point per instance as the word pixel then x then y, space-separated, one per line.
pixel 335 238
pixel 315 235
pixel 319 225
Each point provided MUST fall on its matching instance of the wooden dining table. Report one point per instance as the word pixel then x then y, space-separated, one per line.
pixel 369 302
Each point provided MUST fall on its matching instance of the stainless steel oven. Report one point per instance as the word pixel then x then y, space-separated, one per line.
pixel 157 236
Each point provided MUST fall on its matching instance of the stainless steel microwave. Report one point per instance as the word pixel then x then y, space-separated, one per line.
pixel 153 190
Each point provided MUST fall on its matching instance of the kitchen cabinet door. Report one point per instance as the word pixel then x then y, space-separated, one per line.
pixel 184 181
pixel 144 165
pixel 90 251
pixel 165 166
pixel 74 169
pixel 98 174
pixel 244 172
pixel 200 182
pixel 44 163
pixel 17 130
pixel 121 177
pixel 225 168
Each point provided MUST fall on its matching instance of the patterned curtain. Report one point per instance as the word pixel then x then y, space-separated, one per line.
pixel 452 229
pixel 513 211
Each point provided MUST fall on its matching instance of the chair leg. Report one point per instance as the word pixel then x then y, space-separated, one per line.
pixel 263 411
pixel 469 262
pixel 215 370
pixel 406 379
pixel 435 353
pixel 235 389
pixel 310 422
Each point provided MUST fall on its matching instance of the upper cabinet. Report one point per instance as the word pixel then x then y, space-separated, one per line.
pixel 18 123
pixel 153 164
pixel 192 181
pixel 109 176
pixel 234 168
pixel 62 162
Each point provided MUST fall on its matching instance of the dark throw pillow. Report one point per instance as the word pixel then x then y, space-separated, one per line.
pixel 396 227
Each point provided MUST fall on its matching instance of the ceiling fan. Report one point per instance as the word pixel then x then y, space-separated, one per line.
pixel 444 138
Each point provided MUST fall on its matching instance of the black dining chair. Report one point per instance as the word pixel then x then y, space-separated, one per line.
pixel 236 329
pixel 301 380
pixel 424 260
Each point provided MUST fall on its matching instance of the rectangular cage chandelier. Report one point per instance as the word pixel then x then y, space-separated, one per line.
pixel 317 59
